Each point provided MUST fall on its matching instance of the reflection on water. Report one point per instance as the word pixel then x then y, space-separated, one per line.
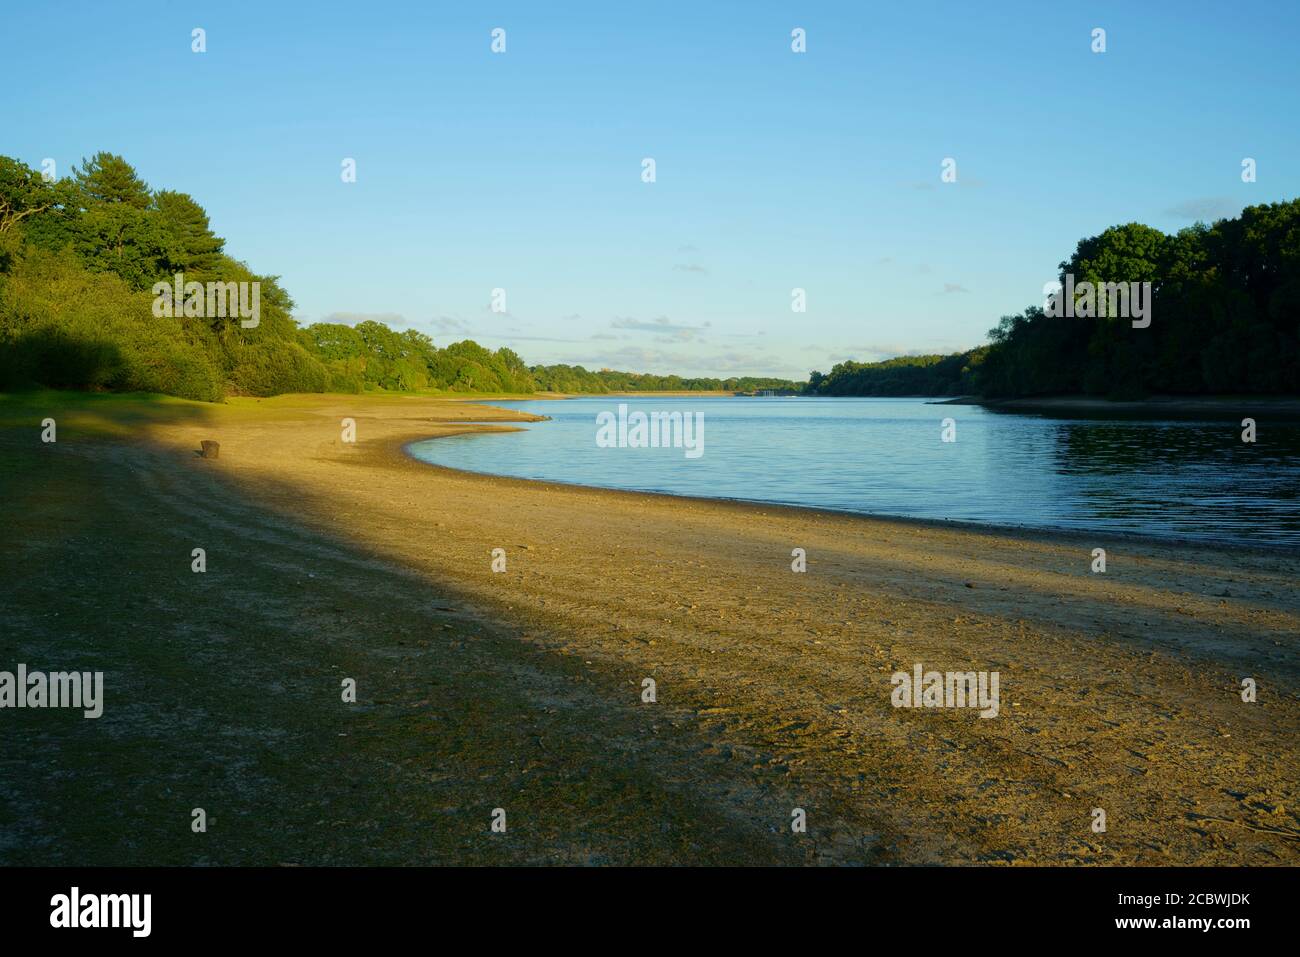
pixel 1183 479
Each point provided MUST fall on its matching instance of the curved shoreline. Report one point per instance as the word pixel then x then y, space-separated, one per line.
pixel 1035 532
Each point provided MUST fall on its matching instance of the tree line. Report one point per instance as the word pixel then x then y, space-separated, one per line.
pixel 80 255
pixel 1224 318
pixel 79 258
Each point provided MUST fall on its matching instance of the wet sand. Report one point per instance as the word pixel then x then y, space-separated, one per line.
pixel 523 689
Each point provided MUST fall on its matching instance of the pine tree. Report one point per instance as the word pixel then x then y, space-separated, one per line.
pixel 107 178
pixel 193 245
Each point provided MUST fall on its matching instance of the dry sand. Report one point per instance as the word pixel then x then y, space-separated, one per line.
pixel 522 689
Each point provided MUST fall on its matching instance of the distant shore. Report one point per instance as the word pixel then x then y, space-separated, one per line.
pixel 1158 407
pixel 1161 407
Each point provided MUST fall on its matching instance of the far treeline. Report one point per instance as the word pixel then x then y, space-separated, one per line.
pixel 1224 318
pixel 80 257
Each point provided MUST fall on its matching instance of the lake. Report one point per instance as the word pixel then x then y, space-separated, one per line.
pixel 1169 479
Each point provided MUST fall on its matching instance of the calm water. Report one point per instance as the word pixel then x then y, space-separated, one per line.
pixel 885 457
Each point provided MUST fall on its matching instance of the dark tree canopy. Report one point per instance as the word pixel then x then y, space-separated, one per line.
pixel 193 247
pixel 107 178
pixel 1225 318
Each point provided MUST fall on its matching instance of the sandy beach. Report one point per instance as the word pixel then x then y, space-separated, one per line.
pixel 522 689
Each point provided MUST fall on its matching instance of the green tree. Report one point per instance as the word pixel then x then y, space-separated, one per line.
pixel 107 178
pixel 192 246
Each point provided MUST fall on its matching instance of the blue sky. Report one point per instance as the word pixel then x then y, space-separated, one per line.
pixel 775 170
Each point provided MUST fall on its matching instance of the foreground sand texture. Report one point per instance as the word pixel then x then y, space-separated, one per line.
pixel 522 690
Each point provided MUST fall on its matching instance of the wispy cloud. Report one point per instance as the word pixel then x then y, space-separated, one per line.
pixel 515 337
pixel 1205 209
pixel 663 362
pixel 879 351
pixel 447 324
pixel 662 325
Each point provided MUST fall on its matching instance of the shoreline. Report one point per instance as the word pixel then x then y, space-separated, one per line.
pixel 1029 532
pixel 522 688
pixel 1286 408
